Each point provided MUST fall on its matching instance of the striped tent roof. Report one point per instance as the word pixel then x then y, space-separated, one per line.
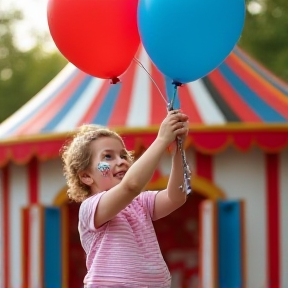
pixel 240 90
pixel 239 104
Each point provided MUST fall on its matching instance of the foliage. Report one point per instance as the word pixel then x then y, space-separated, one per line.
pixel 22 73
pixel 265 35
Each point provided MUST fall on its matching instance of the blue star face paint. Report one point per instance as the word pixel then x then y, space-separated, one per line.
pixel 104 168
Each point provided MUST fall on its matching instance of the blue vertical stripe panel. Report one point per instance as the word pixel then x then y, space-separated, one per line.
pixel 52 248
pixel 107 107
pixel 229 244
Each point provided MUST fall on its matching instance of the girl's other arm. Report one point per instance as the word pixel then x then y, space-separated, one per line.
pixel 173 197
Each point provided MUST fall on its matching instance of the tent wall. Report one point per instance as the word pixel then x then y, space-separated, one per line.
pixel 242 176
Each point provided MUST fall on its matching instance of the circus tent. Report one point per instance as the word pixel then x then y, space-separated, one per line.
pixel 237 95
pixel 237 143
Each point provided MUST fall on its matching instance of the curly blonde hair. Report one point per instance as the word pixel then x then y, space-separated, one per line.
pixel 76 156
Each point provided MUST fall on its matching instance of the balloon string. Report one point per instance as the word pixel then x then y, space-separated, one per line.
pixel 170 105
pixel 142 66
pixel 186 187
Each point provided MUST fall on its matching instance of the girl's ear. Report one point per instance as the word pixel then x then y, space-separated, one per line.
pixel 85 178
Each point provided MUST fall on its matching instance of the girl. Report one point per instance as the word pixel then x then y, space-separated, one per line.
pixel 115 216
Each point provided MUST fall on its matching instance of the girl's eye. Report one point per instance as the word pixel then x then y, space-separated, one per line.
pixel 124 156
pixel 107 157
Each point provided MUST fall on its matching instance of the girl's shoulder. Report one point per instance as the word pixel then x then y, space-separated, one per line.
pixel 90 202
pixel 92 198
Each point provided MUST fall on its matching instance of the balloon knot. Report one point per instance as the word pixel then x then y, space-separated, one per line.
pixel 115 80
pixel 177 84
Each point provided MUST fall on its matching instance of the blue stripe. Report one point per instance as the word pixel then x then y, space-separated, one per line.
pixel 52 248
pixel 68 105
pixel 170 92
pixel 38 107
pixel 262 73
pixel 229 245
pixel 106 109
pixel 267 113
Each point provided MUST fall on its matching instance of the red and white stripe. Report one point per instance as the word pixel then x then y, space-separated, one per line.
pixel 208 242
pixel 32 247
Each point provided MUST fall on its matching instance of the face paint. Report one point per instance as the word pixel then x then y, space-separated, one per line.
pixel 104 168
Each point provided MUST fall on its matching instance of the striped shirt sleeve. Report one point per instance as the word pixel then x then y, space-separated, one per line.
pixel 147 199
pixel 88 209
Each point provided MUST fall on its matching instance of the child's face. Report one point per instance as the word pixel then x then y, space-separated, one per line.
pixel 109 164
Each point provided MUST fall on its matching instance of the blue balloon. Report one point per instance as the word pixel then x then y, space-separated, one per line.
pixel 187 39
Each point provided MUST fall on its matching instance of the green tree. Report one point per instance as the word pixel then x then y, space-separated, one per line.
pixel 265 34
pixel 22 73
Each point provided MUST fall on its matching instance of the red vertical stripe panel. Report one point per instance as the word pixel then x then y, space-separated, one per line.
pixel 273 245
pixel 25 246
pixel 33 181
pixel 204 166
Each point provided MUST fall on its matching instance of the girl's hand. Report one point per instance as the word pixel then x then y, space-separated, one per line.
pixel 175 124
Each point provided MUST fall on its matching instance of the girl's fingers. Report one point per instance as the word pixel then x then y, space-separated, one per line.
pixel 178 118
pixel 179 125
pixel 174 112
pixel 181 128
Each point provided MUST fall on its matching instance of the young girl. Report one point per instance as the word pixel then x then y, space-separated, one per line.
pixel 115 216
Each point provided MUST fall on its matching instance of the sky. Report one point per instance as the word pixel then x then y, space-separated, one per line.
pixel 35 19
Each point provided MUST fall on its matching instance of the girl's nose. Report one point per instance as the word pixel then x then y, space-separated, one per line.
pixel 121 161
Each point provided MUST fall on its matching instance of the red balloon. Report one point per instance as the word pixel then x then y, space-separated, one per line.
pixel 100 37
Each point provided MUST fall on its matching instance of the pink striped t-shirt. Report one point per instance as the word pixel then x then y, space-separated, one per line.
pixel 123 252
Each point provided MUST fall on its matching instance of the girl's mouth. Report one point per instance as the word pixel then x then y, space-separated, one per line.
pixel 120 175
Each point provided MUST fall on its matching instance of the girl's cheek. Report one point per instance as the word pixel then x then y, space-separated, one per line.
pixel 104 168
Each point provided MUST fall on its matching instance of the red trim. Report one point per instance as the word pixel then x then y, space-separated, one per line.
pixel 214 141
pixel 6 220
pixel 33 181
pixel 26 247
pixel 204 166
pixel 22 153
pixel 158 108
pixel 273 231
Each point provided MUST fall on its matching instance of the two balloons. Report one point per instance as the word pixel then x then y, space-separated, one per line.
pixel 186 39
